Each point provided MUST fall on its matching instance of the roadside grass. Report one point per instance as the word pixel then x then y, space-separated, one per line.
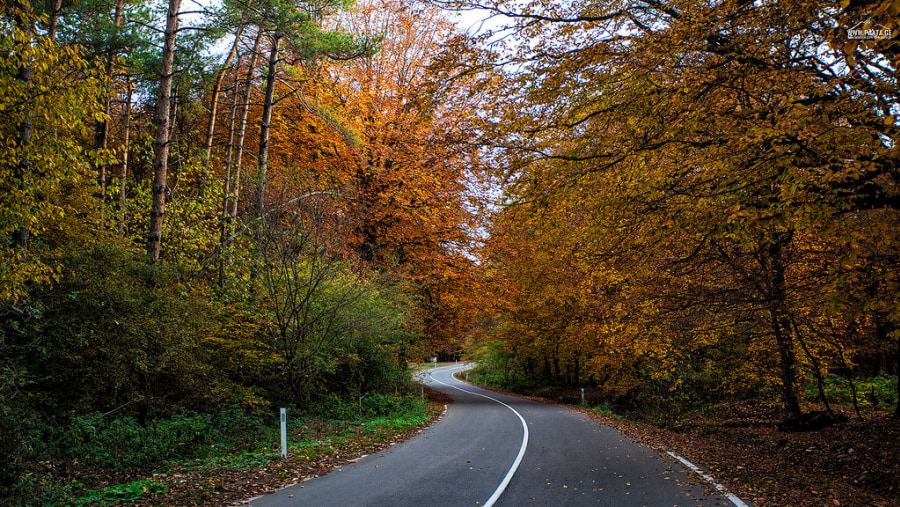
pixel 315 443
pixel 316 440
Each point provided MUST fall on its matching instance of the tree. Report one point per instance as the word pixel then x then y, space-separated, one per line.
pixel 161 139
pixel 42 173
pixel 410 209
pixel 725 129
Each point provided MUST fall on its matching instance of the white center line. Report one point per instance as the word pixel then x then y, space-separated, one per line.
pixel 515 466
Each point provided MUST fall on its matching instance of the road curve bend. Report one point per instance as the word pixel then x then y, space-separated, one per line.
pixel 495 449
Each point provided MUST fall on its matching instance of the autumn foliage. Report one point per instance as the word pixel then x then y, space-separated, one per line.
pixel 671 203
pixel 699 201
pixel 190 238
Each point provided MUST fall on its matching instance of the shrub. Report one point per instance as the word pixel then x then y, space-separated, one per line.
pixel 873 393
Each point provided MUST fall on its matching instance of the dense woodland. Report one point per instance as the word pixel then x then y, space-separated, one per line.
pixel 700 200
pixel 209 215
pixel 209 211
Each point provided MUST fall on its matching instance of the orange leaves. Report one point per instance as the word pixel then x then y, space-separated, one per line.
pixel 700 179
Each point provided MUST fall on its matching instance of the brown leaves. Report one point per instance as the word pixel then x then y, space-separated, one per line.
pixel 848 464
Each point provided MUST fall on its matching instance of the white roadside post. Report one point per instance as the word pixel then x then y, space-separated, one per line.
pixel 284 433
pixel 582 396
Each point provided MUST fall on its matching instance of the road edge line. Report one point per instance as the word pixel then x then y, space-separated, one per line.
pixel 719 487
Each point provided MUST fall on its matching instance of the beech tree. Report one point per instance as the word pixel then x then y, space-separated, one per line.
pixel 744 137
pixel 49 101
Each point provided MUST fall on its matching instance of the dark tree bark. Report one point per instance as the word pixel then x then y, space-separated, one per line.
pixel 781 325
pixel 25 22
pixel 265 128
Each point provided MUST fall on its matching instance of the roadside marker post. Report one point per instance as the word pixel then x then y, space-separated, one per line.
pixel 284 433
pixel 582 396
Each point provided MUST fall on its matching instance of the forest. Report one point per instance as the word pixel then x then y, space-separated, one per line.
pixel 209 211
pixel 699 202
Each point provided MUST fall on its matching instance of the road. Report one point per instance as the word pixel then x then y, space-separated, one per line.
pixel 494 449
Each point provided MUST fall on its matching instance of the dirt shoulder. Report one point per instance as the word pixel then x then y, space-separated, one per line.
pixel 856 463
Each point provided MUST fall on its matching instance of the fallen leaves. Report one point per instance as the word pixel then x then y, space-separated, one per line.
pixel 222 487
pixel 854 463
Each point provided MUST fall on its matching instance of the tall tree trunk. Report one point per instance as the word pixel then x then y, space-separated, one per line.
pixel 54 19
pixel 161 142
pixel 125 153
pixel 214 96
pixel 232 207
pixel 101 132
pixel 263 164
pixel 226 185
pixel 265 129
pixel 101 142
pixel 781 325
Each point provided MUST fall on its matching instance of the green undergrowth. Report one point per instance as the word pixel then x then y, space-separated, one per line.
pixel 661 402
pixel 871 394
pixel 200 445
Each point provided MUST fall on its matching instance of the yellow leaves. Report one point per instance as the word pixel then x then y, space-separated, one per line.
pixel 42 181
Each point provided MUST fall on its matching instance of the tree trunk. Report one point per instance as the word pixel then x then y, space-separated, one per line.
pixel 54 19
pixel 161 142
pixel 817 369
pixel 265 129
pixel 25 74
pixel 263 165
pixel 226 185
pixel 781 326
pixel 101 142
pixel 125 152
pixel 232 207
pixel 214 96
pixel 101 132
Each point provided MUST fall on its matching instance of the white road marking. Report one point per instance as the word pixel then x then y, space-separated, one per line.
pixel 734 499
pixel 515 466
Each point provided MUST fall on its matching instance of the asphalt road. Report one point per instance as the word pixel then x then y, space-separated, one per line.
pixel 493 449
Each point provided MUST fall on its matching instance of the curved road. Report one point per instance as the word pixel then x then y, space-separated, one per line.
pixel 494 449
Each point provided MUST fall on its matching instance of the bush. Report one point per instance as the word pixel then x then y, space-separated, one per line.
pixel 873 393
pixel 383 404
pixel 11 448
pixel 124 445
pixel 118 332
